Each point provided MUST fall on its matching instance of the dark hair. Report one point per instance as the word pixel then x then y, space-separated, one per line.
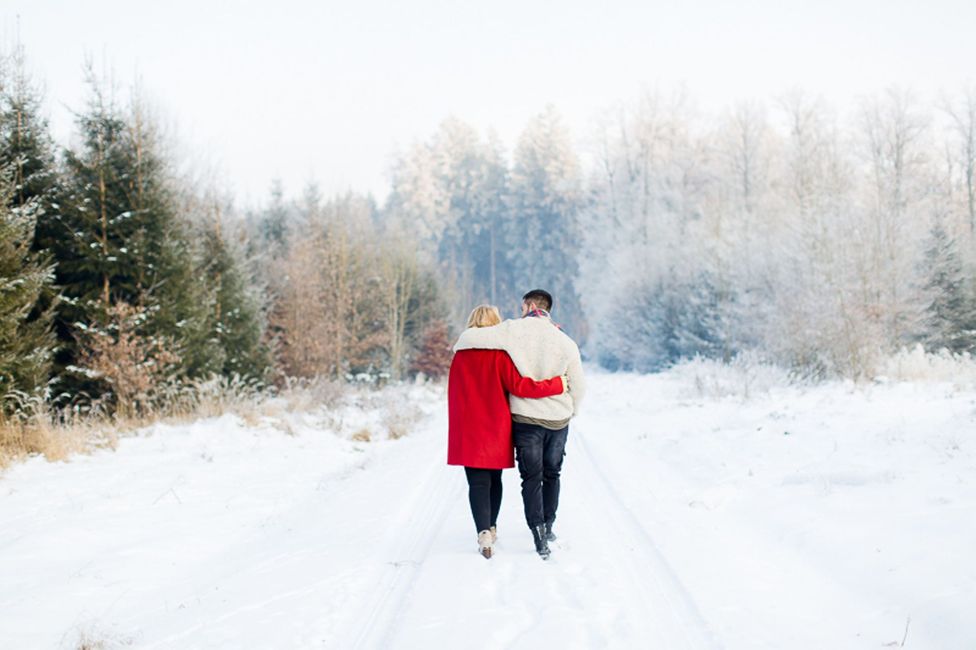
pixel 542 299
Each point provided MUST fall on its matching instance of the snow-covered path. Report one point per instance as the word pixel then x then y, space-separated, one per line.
pixel 606 584
pixel 826 517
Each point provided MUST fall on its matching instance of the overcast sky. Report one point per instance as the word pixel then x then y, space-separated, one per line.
pixel 327 90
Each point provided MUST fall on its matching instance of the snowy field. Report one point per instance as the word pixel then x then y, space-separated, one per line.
pixel 695 514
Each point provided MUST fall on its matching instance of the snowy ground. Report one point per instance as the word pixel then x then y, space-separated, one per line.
pixel 823 518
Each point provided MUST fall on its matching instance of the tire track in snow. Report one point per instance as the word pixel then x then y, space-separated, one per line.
pixel 653 577
pixel 404 554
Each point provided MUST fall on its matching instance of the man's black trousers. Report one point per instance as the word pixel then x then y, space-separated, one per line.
pixel 539 452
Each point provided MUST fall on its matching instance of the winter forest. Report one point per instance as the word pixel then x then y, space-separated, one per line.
pixel 240 241
pixel 819 241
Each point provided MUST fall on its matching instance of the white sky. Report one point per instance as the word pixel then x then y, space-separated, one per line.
pixel 327 91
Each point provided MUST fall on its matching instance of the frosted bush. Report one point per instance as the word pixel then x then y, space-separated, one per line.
pixel 745 376
pixel 918 365
pixel 308 394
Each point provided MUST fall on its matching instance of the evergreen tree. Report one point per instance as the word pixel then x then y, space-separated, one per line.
pixel 26 146
pixel 118 238
pixel 29 193
pixel 238 319
pixel 660 323
pixel 950 321
pixel 450 194
pixel 543 231
pixel 273 226
pixel 26 340
pixel 478 191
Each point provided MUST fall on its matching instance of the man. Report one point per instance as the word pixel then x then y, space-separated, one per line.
pixel 540 427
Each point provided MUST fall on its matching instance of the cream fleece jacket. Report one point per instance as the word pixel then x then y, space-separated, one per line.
pixel 540 350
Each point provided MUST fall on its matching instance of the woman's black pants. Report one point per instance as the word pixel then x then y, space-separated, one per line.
pixel 485 495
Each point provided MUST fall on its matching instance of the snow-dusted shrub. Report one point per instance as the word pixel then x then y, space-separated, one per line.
pixel 304 394
pixel 661 322
pixel 392 410
pixel 399 417
pixel 746 375
pixel 918 365
pixel 135 368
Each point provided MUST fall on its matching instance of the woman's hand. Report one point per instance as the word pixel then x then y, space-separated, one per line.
pixel 565 379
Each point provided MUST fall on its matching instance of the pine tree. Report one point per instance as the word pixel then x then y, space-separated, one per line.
pixel 950 321
pixel 118 237
pixel 26 339
pixel 237 318
pixel 26 146
pixel 449 193
pixel 473 179
pixel 29 188
pixel 273 225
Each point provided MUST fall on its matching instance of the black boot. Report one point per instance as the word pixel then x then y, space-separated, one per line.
pixel 541 544
pixel 550 536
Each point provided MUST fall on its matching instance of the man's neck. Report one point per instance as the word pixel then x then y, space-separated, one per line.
pixel 537 313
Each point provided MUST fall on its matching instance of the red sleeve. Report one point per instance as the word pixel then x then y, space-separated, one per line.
pixel 521 386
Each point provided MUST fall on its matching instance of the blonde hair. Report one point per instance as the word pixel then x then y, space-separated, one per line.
pixel 484 316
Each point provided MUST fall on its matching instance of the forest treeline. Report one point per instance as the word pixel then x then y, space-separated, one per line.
pixel 821 242
pixel 125 280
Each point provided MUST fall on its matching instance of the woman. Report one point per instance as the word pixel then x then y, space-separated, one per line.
pixel 480 424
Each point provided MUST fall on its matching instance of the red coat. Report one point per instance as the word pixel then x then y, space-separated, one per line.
pixel 479 421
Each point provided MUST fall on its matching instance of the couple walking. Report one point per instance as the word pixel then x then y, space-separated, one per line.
pixel 513 385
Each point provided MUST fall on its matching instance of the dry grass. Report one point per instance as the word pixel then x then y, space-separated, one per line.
pixel 59 435
pixel 92 639
pixel 36 430
pixel 362 435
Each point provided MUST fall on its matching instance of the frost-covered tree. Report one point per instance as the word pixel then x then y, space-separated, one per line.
pixel 816 319
pixel 894 143
pixel 644 230
pixel 450 193
pixel 474 242
pixel 962 126
pixel 798 246
pixel 544 235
